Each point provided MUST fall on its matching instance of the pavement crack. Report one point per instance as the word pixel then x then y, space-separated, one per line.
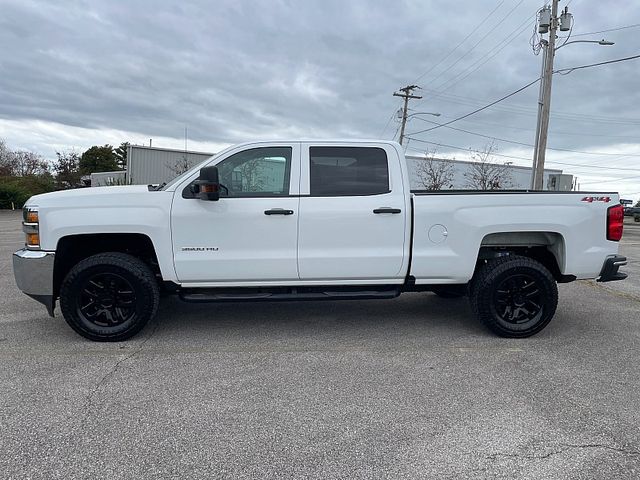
pixel 602 445
pixel 88 404
pixel 562 449
pixel 613 291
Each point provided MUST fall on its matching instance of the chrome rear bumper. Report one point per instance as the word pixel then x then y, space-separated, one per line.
pixel 33 271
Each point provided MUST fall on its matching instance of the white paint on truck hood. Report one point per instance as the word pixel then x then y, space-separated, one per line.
pixel 92 194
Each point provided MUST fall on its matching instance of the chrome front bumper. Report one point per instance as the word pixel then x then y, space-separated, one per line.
pixel 33 270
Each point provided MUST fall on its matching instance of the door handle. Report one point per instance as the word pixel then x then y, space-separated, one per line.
pixel 387 210
pixel 278 211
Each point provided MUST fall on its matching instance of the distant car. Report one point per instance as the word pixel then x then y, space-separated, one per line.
pixel 636 215
pixel 631 211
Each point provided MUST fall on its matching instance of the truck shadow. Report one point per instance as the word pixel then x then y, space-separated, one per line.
pixel 411 314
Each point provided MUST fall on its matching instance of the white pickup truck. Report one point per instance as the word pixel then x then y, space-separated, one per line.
pixel 310 220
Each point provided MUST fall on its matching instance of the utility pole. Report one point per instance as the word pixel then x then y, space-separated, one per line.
pixel 540 104
pixel 549 53
pixel 406 94
pixel 549 22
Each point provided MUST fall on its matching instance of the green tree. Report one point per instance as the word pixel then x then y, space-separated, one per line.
pixel 121 155
pixel 98 159
pixel 67 169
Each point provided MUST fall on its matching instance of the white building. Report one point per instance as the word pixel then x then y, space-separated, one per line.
pixel 519 178
pixel 153 165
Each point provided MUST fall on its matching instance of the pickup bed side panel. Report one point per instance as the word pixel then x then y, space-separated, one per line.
pixel 449 229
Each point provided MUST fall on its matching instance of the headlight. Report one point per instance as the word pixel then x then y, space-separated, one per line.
pixel 31 227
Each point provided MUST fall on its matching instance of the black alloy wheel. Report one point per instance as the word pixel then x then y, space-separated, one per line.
pixel 109 297
pixel 517 299
pixel 514 296
pixel 106 300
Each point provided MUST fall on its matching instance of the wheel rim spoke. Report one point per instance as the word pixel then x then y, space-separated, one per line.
pixel 518 299
pixel 107 299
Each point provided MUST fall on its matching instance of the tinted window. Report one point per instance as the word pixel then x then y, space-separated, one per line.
pixel 256 172
pixel 348 171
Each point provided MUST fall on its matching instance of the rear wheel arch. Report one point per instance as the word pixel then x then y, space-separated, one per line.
pixel 545 247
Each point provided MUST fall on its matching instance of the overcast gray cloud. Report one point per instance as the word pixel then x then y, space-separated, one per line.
pixel 78 73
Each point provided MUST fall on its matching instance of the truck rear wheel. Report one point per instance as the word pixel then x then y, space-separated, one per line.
pixel 109 297
pixel 514 296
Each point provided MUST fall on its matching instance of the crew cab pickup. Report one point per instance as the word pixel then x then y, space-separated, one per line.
pixel 310 220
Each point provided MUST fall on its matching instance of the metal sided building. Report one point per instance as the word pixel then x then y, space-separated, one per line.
pixel 152 165
pixel 520 177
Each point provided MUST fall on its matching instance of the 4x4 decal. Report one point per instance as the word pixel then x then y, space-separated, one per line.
pixel 596 199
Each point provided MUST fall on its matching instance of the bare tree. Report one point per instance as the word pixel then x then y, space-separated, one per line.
pixel 29 163
pixel 180 166
pixel 484 174
pixel 435 174
pixel 18 163
pixel 252 175
pixel 6 160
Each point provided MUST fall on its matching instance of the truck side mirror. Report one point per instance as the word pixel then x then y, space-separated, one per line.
pixel 208 185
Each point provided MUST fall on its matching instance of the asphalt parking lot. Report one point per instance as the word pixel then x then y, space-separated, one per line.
pixel 407 388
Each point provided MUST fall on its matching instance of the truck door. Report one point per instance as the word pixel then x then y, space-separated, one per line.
pixel 250 233
pixel 353 214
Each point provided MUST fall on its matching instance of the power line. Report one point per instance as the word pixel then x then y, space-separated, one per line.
pixel 522 110
pixel 529 144
pixel 555 132
pixel 489 32
pixel 613 180
pixel 502 44
pixel 635 25
pixel 523 158
pixel 388 122
pixel 481 108
pixel 396 132
pixel 617 60
pixel 460 44
pixel 462 75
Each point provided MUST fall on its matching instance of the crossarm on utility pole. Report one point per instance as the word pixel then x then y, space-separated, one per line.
pixel 406 94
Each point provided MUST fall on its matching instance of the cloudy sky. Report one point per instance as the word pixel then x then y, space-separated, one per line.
pixel 78 73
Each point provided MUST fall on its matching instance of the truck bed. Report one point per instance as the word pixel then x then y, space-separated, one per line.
pixel 451 226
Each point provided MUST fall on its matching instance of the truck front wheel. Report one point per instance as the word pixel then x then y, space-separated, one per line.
pixel 109 297
pixel 514 296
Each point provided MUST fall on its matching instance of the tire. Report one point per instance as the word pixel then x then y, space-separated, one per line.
pixel 514 296
pixel 109 297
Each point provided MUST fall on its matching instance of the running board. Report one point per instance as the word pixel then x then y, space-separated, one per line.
pixel 197 295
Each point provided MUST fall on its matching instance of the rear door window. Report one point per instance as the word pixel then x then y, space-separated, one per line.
pixel 348 171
